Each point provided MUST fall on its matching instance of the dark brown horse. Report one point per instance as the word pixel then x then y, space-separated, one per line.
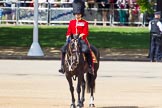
pixel 75 68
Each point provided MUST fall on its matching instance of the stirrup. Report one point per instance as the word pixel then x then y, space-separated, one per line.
pixel 62 70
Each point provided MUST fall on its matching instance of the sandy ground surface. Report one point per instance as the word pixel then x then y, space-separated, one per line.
pixel 37 84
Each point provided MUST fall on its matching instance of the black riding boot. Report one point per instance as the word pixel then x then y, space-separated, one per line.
pixel 86 50
pixel 63 52
pixel 61 70
pixel 89 60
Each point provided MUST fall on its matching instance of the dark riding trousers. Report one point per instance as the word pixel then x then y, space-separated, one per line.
pixel 155 40
pixel 155 46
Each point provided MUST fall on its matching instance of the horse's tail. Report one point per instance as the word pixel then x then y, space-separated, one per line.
pixel 90 82
pixel 90 79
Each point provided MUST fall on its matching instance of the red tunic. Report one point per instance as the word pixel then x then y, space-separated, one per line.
pixel 78 27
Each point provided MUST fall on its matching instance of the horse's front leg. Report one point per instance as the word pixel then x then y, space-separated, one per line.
pixel 72 91
pixel 79 105
pixel 83 92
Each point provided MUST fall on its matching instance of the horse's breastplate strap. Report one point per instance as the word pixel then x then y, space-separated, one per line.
pixel 71 61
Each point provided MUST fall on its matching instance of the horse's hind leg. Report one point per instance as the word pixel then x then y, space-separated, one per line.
pixel 72 91
pixel 83 92
pixel 91 104
pixel 92 88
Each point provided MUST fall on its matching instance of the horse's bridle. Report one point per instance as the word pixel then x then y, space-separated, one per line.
pixel 72 56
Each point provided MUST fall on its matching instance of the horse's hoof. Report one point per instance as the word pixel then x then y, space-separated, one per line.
pixel 91 105
pixel 82 105
pixel 79 106
pixel 72 106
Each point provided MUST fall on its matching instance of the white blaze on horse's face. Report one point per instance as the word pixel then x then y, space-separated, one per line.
pixel 73 57
pixel 70 68
pixel 76 43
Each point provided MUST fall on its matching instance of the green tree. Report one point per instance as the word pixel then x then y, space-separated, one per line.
pixel 146 6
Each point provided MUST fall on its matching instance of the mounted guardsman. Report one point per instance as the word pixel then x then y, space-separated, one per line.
pixel 79 27
pixel 155 27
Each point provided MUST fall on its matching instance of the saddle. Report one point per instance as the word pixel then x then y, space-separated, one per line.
pixel 94 59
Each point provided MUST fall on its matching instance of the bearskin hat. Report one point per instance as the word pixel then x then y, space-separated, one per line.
pixel 78 7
